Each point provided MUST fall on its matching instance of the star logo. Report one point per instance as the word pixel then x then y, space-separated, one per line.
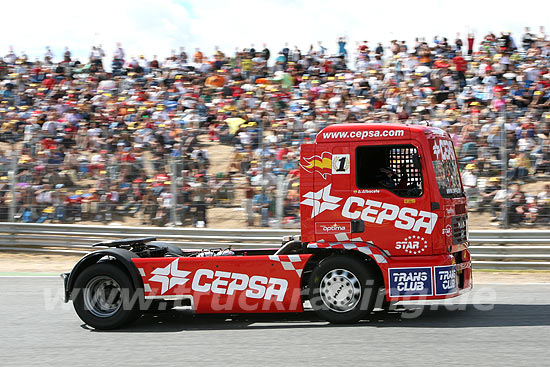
pixel 169 276
pixel 321 200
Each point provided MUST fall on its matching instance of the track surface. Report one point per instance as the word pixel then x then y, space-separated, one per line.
pixel 494 325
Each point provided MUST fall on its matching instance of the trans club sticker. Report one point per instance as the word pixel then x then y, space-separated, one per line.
pixel 445 280
pixel 410 282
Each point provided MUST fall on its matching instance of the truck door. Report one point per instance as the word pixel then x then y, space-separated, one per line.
pixel 330 167
pixel 388 203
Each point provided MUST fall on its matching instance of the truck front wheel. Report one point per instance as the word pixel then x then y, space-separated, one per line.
pixel 104 297
pixel 342 289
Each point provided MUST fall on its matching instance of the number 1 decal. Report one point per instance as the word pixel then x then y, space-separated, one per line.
pixel 340 164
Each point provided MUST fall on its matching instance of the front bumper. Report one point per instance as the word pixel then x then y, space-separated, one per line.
pixel 428 277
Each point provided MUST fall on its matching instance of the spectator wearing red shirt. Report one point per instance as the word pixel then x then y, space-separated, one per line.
pixel 236 91
pixel 48 144
pixel 281 153
pixel 49 82
pixel 128 155
pixel 470 44
pixel 460 67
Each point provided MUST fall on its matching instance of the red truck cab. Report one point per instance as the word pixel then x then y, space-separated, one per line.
pixel 395 189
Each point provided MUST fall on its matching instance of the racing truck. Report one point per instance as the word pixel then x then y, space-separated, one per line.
pixel 383 219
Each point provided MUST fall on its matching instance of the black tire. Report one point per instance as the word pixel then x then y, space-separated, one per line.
pixel 105 298
pixel 343 289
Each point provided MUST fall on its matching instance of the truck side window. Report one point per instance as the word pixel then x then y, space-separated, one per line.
pixel 391 167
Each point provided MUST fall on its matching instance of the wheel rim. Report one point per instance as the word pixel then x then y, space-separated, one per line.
pixel 340 290
pixel 102 296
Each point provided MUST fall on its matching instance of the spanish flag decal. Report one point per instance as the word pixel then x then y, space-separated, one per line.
pixel 321 164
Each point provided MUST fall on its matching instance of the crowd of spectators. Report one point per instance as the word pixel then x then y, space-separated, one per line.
pixel 97 139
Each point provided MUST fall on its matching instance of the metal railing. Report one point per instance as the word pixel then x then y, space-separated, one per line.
pixel 513 249
pixel 165 191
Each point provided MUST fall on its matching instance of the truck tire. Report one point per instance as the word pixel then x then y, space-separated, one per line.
pixel 343 289
pixel 105 298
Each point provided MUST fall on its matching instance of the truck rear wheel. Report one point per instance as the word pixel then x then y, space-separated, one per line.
pixel 104 297
pixel 342 289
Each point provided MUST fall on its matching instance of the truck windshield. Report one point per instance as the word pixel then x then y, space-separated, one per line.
pixel 445 168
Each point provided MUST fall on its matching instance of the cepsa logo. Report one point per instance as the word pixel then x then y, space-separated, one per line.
pixel 377 212
pixel 339 227
pixel 221 282
pixel 371 211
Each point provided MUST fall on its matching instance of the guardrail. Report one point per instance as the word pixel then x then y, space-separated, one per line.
pixel 512 249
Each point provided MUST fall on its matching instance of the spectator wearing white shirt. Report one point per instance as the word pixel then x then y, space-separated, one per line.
pixel 469 181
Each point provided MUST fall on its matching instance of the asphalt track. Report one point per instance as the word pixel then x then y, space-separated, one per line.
pixel 494 325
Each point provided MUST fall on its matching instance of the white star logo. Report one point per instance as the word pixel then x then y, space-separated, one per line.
pixel 321 200
pixel 169 276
